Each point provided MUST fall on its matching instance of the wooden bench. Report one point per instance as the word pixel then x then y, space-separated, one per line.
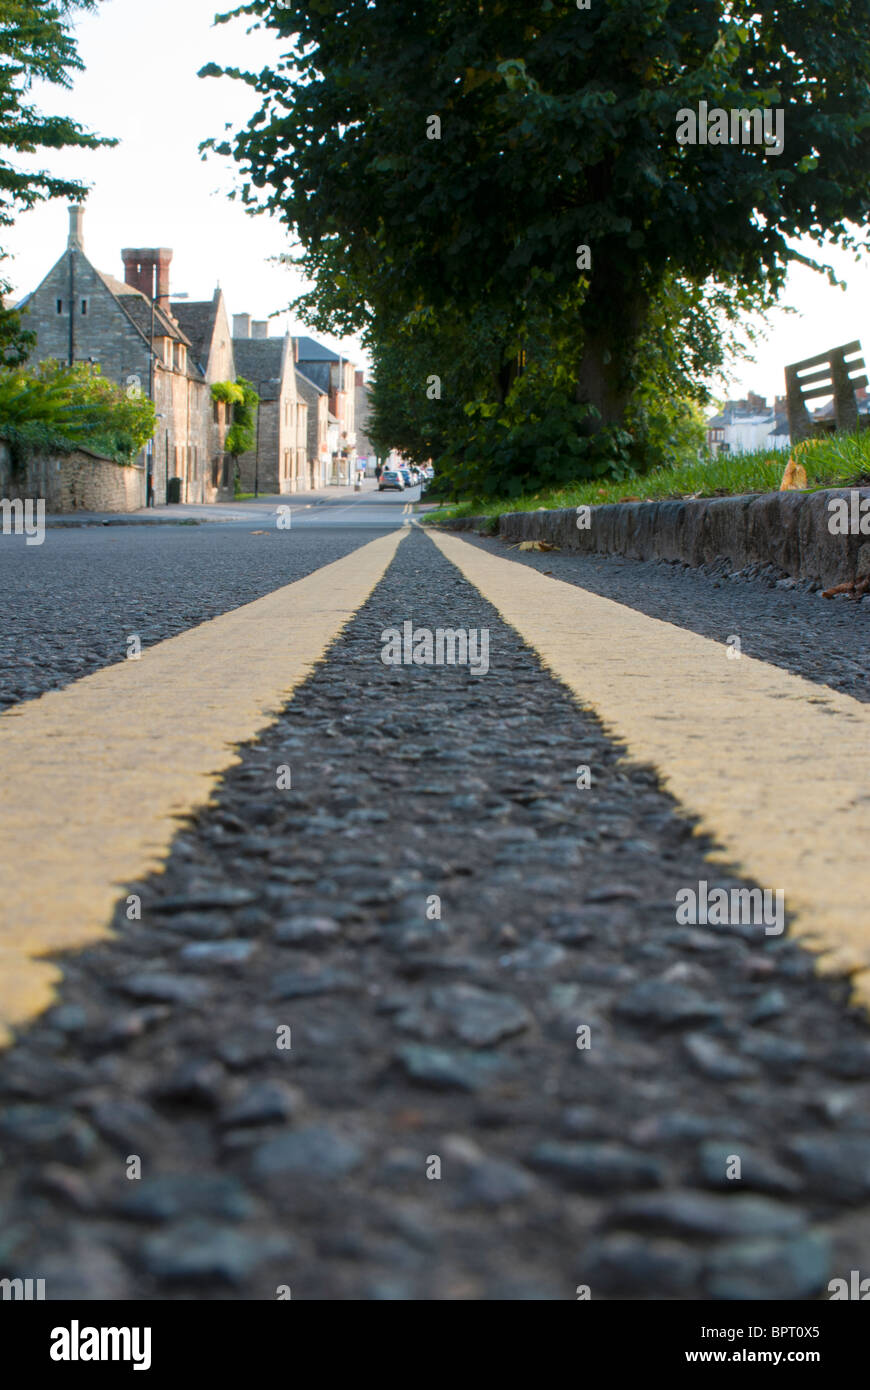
pixel 825 375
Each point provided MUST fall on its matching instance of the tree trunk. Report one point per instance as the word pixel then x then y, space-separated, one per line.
pixel 604 377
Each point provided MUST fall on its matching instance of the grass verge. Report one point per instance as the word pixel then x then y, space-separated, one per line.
pixel 841 460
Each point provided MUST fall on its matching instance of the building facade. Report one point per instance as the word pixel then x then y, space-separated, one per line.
pixel 278 463
pixel 336 375
pixel 745 425
pixel 318 451
pixel 207 326
pixel 365 449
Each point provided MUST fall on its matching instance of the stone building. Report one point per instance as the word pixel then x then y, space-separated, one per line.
pixel 132 330
pixel 336 375
pixel 318 451
pixel 207 326
pixel 279 461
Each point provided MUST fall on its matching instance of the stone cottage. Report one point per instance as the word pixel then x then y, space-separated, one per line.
pixel 132 329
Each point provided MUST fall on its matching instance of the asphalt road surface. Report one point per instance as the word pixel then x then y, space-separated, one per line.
pixel 397 1001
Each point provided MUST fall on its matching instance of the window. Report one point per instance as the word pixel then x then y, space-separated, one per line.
pixel 60 306
pixel 84 306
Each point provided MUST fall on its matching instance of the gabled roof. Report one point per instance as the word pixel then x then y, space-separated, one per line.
pixel 137 306
pixel 197 319
pixel 310 351
pixel 306 385
pixel 261 361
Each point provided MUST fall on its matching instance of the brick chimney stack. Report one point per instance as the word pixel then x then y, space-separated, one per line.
pixel 241 325
pixel 147 270
pixel 76 218
pixel 164 258
pixel 260 328
pixel 135 272
pixel 360 378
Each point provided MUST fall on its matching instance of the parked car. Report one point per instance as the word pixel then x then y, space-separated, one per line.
pixel 392 478
pixel 406 474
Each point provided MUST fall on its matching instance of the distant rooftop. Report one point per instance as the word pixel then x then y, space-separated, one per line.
pixel 310 351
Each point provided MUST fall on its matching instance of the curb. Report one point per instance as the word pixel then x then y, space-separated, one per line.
pixel 785 529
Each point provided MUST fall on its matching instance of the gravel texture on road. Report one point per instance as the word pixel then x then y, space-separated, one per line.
pixel 780 620
pixel 441 1126
pixel 70 604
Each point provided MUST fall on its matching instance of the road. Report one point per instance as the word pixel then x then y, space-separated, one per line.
pixel 397 1002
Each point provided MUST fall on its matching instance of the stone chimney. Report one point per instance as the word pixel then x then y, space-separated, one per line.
pixel 260 328
pixel 241 325
pixel 76 236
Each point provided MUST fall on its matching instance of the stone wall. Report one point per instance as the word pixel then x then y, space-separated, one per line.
pixel 787 529
pixel 79 481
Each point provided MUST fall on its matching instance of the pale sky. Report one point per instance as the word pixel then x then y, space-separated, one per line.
pixel 140 85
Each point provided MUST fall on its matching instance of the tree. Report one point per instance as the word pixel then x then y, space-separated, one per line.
pixel 36 45
pixel 556 131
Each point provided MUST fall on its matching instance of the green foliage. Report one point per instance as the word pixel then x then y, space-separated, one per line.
pixel 37 45
pixel 558 129
pixel 242 434
pixel 502 426
pixel 53 405
pixel 834 461
pixel 16 343
pixel 229 392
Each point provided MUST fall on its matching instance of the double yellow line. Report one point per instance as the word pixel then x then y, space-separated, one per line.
pixel 97 775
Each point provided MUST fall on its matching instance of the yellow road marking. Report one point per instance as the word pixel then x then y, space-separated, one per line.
pixel 774 766
pixel 96 774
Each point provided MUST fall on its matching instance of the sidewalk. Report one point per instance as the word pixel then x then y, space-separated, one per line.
pixel 193 513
